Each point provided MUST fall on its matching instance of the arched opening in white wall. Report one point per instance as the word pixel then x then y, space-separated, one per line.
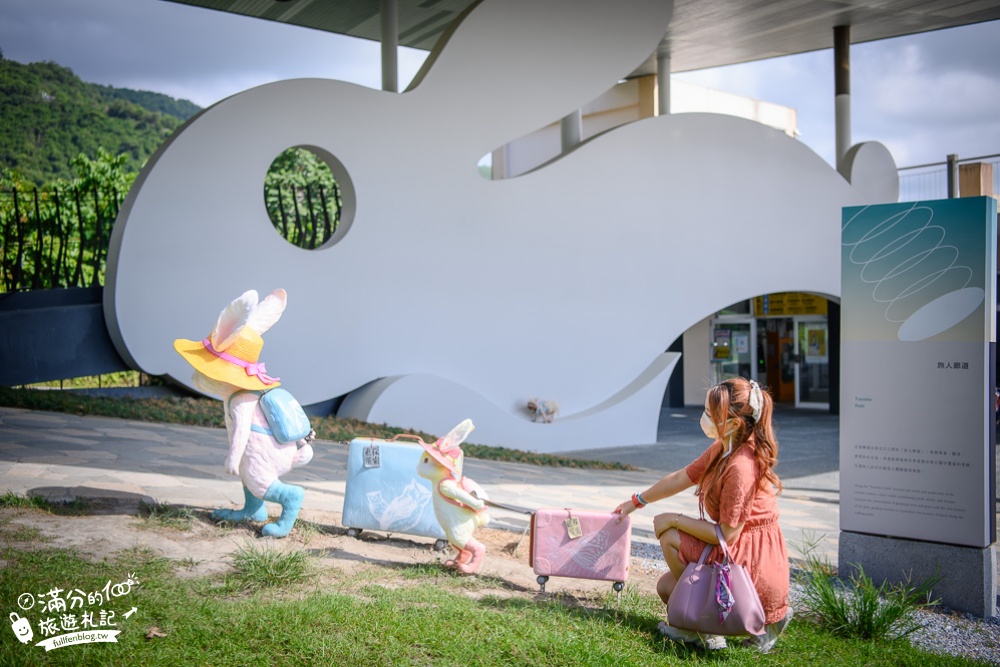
pixel 789 342
pixel 309 197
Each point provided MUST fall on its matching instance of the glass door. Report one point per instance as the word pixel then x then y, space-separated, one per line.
pixel 734 348
pixel 812 372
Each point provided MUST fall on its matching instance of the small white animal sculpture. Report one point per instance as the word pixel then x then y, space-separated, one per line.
pixel 227 364
pixel 459 503
pixel 547 410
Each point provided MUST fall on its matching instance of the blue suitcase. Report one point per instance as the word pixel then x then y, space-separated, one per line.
pixel 385 493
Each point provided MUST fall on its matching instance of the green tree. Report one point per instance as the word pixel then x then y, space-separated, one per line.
pixel 302 197
pixel 106 172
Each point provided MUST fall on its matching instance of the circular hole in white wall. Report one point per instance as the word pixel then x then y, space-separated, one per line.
pixel 309 197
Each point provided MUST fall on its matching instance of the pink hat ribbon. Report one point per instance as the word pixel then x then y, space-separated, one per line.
pixel 251 368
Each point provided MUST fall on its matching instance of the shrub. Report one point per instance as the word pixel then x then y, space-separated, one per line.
pixel 857 607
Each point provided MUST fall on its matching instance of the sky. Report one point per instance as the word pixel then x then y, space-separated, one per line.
pixel 923 96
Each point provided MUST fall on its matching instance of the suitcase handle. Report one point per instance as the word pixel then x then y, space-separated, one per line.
pixel 407 435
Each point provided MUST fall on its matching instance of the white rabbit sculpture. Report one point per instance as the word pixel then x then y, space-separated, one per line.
pixel 226 365
pixel 459 503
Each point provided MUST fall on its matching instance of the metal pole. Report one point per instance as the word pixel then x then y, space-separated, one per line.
pixel 299 234
pixel 663 79
pixel 312 217
pixel 842 91
pixel 39 239
pixel 389 14
pixel 952 176
pixel 98 243
pixel 82 235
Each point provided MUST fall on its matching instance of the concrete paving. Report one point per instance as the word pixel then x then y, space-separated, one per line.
pixel 64 456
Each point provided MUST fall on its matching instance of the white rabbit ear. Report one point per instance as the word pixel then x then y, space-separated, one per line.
pixel 232 319
pixel 457 435
pixel 268 311
pixel 553 56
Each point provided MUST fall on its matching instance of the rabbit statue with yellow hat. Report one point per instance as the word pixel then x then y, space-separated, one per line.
pixel 227 364
pixel 459 503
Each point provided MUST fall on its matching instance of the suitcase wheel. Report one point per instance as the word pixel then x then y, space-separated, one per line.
pixel 541 582
pixel 354 532
pixel 439 545
pixel 618 586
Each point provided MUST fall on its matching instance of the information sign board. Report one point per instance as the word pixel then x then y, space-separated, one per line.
pixel 918 318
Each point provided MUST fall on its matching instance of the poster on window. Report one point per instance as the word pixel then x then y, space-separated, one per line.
pixel 917 429
pixel 816 345
pixel 720 345
pixel 741 343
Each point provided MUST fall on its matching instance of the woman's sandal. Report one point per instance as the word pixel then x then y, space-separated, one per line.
pixel 765 642
pixel 710 642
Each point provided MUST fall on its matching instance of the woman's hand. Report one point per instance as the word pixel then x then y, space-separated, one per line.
pixel 624 510
pixel 664 522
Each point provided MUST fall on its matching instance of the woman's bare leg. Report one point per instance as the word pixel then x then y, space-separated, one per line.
pixel 670 542
pixel 665 586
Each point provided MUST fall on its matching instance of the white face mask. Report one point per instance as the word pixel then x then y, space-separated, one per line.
pixel 708 427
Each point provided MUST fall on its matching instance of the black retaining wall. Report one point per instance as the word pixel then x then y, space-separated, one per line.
pixel 54 334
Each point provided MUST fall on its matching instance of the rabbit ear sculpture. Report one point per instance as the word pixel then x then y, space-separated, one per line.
pixel 227 364
pixel 458 501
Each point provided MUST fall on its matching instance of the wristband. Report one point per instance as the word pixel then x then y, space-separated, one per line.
pixel 637 501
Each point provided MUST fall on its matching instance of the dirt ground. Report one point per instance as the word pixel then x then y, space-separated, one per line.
pixel 203 547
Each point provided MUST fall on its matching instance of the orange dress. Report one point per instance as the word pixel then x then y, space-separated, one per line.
pixel 760 547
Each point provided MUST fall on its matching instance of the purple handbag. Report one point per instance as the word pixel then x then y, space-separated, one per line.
pixel 716 598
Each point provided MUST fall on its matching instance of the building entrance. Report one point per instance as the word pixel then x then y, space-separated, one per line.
pixel 780 340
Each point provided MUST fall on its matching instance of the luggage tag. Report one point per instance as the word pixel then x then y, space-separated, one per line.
pixel 372 456
pixel 573 528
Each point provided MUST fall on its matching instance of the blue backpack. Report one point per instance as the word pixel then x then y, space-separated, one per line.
pixel 287 419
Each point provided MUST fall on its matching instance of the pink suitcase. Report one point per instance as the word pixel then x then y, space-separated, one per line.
pixel 580 544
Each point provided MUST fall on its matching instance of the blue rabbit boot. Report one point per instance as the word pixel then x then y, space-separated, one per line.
pixel 290 499
pixel 253 510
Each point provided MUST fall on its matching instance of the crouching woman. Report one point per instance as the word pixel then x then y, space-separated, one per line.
pixel 737 489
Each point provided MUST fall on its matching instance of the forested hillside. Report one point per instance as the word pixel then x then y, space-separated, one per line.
pixel 69 154
pixel 48 117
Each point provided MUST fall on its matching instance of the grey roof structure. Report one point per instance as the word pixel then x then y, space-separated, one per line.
pixel 702 34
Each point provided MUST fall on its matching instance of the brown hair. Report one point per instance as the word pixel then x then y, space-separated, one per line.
pixel 729 402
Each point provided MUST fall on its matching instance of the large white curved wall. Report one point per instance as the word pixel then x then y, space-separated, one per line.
pixel 467 295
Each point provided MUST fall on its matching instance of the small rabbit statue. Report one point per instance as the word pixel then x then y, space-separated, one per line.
pixel 226 364
pixel 458 501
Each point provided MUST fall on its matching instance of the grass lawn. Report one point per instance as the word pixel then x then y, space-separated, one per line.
pixel 409 615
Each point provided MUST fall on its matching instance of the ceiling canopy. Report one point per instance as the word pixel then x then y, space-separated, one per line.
pixel 702 34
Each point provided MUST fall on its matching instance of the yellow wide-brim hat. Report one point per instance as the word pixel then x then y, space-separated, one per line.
pixel 236 365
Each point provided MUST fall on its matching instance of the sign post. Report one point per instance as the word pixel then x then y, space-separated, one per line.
pixel 917 425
